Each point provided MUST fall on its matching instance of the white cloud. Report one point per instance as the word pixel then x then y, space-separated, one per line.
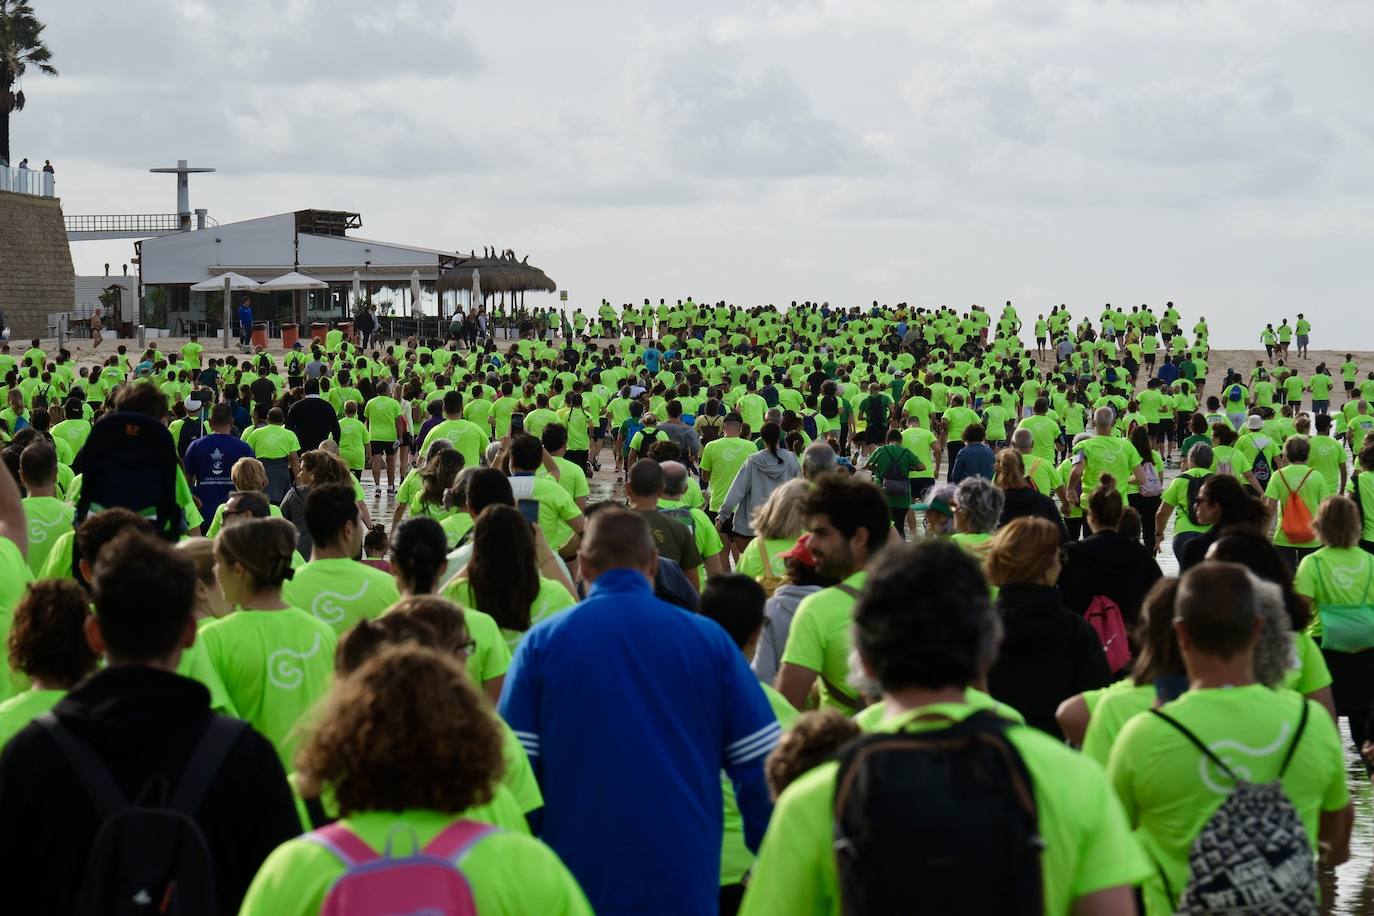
pixel 1212 151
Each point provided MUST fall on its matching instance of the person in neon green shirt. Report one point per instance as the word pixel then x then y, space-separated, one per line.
pixel 15 574
pixel 274 660
pixel 382 771
pixel 333 586
pixel 1170 790
pixel 48 517
pixel 1103 453
pixel 849 522
pixel 722 458
pixel 1296 476
pixel 385 425
pixel 353 439
pixel 48 646
pixel 468 438
pixel 923 631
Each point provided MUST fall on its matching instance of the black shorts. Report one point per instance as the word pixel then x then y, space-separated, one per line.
pixel 919 486
pixel 407 439
pixel 1166 426
pixel 1156 429
pixel 383 448
pixel 601 429
pixel 1349 386
pixel 875 435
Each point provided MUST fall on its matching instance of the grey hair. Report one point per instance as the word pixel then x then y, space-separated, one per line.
pixel 772 415
pixel 493 452
pixel 780 517
pixel 1274 653
pixel 1201 455
pixel 674 479
pixel 1023 439
pixel 1103 417
pixel 981 502
pixel 819 458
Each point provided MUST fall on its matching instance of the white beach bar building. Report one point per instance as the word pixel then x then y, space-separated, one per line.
pixel 312 242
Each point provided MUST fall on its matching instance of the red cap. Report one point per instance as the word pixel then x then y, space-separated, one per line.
pixel 801 551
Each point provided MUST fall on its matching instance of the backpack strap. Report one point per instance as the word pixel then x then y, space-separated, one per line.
pixel 1297 736
pixel 205 762
pixel 457 839
pixel 95 777
pixel 346 845
pixel 1197 742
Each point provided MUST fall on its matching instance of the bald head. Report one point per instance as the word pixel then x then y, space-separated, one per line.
pixel 617 538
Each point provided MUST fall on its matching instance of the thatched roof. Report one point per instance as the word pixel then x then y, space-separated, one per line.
pixel 497 275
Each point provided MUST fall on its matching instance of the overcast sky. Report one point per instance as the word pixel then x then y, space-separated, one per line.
pixel 1220 154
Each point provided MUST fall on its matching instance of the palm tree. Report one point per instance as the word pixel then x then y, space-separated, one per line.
pixel 21 44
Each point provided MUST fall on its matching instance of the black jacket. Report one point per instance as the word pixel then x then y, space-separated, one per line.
pixel 1108 564
pixel 1028 501
pixel 143 723
pixel 313 420
pixel 1048 654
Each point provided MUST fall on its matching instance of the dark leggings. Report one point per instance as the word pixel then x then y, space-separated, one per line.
pixel 1147 506
pixel 899 519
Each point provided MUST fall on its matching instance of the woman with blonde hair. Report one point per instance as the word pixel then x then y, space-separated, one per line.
pixel 1339 580
pixel 1020 498
pixel 248 476
pixel 777 524
pixel 417 775
pixel 274 660
pixel 1048 652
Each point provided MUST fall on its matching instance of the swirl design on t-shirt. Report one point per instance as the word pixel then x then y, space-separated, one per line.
pixel 284 668
pixel 329 606
pixel 1216 780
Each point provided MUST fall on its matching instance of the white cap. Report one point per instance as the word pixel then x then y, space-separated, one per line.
pixel 1254 421
pixel 192 405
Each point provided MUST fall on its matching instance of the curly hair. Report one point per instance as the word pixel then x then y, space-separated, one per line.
pixel 981 503
pixel 811 740
pixel 320 468
pixel 48 638
pixel 406 730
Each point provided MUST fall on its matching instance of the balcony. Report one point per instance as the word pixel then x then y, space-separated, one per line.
pixel 26 181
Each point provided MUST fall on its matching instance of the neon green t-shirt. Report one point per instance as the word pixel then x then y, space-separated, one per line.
pixel 1106 455
pixel 275 665
pixel 819 638
pixel 467 438
pixel 340 592
pixel 1088 845
pixel 553 597
pixel 556 507
pixel 1169 790
pixel 510 873
pixel 1310 486
pixel 48 518
pixel 722 458
pixel 1335 576
pixel 353 443
pixel 1176 495
pixel 268 442
pixel 381 414
pixel 15 577
pixel 735 857
pixel 21 709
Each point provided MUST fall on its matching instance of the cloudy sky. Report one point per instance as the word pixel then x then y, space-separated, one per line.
pixel 1214 153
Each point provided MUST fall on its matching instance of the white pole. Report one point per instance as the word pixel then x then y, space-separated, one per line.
pixel 227 311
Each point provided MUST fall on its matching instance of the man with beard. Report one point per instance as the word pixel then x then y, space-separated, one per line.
pixel 849 523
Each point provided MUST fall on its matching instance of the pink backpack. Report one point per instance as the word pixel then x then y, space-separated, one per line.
pixel 426 881
pixel 1105 618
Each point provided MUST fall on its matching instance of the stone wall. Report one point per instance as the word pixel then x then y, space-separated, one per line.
pixel 36 274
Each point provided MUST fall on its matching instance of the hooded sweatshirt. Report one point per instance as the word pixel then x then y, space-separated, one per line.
pixel 777 622
pixel 761 474
pixel 144 724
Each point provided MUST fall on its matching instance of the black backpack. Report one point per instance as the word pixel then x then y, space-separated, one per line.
pixel 875 411
pixel 939 822
pixel 1194 490
pixel 149 856
pixel 191 430
pixel 130 460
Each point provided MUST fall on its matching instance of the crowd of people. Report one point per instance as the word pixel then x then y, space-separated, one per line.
pixel 671 609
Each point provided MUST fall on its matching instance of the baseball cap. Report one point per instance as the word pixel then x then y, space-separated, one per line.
pixel 800 551
pixel 1254 421
pixel 936 504
pixel 192 405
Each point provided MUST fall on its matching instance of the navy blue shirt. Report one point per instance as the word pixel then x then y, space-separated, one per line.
pixel 629 709
pixel 974 460
pixel 209 460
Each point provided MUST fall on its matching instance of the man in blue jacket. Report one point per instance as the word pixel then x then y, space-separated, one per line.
pixel 245 323
pixel 629 709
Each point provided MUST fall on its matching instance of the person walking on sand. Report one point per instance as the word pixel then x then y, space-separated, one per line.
pixel 96 324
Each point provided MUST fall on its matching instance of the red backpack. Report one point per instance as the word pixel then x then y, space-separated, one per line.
pixel 1104 616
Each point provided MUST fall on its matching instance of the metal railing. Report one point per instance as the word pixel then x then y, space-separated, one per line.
pixel 125 222
pixel 27 181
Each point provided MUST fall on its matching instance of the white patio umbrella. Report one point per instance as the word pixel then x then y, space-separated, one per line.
pixel 476 288
pixel 293 281
pixel 228 281
pixel 415 294
pixel 357 290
